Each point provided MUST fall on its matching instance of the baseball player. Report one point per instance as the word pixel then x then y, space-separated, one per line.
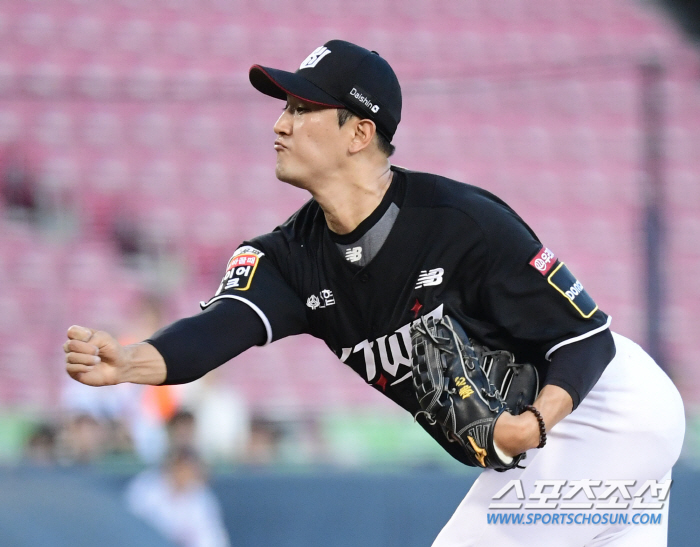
pixel 378 247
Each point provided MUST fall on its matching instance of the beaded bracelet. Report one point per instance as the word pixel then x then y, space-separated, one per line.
pixel 540 421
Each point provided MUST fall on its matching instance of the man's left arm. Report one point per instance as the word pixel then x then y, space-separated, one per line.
pixel 575 368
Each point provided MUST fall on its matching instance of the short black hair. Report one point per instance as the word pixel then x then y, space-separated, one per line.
pixel 384 145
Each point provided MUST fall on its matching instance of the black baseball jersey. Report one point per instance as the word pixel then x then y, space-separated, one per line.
pixel 454 249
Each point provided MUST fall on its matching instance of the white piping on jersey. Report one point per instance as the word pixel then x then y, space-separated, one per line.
pixel 578 338
pixel 263 317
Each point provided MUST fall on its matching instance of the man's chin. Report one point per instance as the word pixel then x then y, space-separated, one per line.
pixel 286 177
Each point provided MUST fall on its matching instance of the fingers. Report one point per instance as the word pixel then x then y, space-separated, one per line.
pixel 80 353
pixel 89 341
pixel 80 347
pixel 82 334
pixel 74 369
pixel 74 358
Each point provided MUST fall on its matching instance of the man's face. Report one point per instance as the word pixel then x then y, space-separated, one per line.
pixel 310 145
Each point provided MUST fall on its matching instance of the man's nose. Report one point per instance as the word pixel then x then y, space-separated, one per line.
pixel 283 124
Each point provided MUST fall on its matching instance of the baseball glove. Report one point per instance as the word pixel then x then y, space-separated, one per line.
pixel 464 387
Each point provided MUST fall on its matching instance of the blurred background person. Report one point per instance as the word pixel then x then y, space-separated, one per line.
pixel 176 500
pixel 181 430
pixel 84 440
pixel 264 445
pixel 41 446
pixel 222 425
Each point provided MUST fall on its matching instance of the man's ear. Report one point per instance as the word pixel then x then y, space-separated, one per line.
pixel 363 136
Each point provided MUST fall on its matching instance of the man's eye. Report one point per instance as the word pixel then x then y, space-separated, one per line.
pixel 300 110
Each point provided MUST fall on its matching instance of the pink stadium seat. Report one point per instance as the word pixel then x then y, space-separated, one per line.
pixel 103 129
pixel 12 126
pixel 55 128
pixel 191 85
pixel 551 12
pixel 229 40
pixel 683 190
pixel 3 27
pixel 146 83
pixel 465 48
pixel 23 380
pixel 84 32
pixel 36 29
pixel 45 79
pixel 97 81
pixel 686 232
pixel 416 10
pixel 135 36
pixel 202 132
pixel 7 78
pixel 681 148
pixel 183 38
pixel 159 178
pixel 211 180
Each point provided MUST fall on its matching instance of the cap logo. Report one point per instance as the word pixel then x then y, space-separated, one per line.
pixel 316 55
pixel 374 108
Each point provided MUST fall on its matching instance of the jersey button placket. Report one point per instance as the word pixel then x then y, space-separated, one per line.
pixel 363 277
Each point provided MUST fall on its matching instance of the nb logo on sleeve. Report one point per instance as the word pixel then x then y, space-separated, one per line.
pixel 429 278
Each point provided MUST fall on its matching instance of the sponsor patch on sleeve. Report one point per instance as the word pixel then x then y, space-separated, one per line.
pixel 571 288
pixel 241 269
pixel 543 261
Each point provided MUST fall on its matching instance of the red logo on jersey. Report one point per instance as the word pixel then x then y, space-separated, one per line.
pixel 543 261
pixel 242 260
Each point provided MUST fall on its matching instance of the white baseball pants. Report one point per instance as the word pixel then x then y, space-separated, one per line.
pixel 629 427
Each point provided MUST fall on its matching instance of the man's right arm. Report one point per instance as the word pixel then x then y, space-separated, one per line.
pixel 96 358
pixel 179 353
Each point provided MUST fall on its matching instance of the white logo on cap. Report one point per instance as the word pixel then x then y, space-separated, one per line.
pixel 316 55
pixel 364 100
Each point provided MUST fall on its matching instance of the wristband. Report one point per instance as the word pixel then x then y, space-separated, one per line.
pixel 540 421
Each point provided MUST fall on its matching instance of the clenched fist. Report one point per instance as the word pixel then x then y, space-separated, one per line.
pixel 94 357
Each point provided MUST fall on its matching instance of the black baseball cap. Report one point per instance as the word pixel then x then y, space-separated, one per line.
pixel 339 75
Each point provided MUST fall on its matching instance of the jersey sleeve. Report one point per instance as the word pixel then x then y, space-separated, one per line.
pixel 530 292
pixel 253 276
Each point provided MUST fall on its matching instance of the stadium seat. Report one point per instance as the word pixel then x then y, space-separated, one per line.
pixel 45 79
pixel 97 81
pixel 182 38
pixel 36 29
pixel 84 32
pixel 7 78
pixel 135 36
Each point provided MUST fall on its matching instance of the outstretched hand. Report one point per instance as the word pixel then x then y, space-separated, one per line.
pixel 94 358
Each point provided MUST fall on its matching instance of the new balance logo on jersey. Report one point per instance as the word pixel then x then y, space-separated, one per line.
pixel 429 278
pixel 354 254
pixel 316 55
